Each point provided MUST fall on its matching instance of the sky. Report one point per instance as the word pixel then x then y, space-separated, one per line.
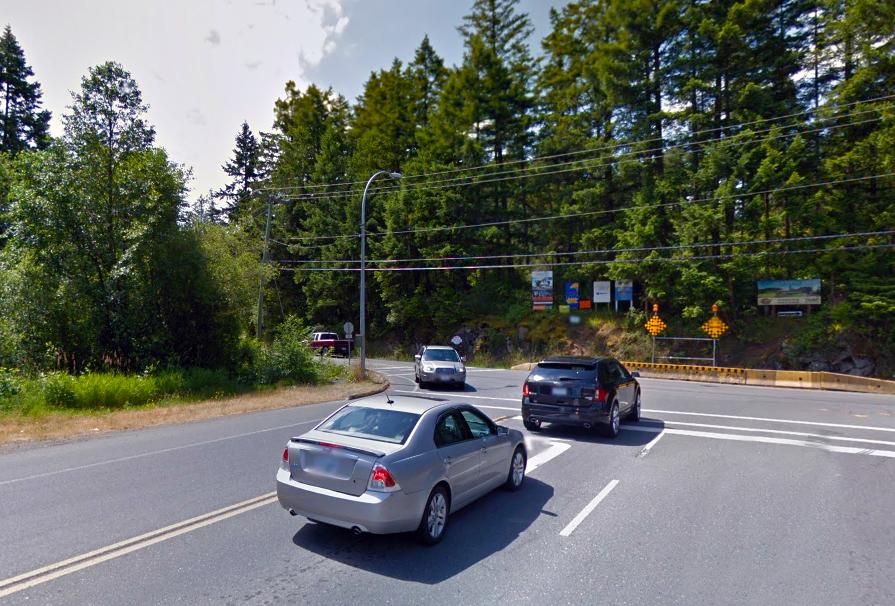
pixel 205 66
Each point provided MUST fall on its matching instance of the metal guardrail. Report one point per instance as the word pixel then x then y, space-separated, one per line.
pixel 769 378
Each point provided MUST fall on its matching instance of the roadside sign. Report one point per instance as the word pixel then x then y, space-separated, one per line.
pixel 602 291
pixel 348 327
pixel 456 340
pixel 655 325
pixel 714 327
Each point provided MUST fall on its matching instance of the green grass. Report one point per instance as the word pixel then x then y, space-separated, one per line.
pixel 95 392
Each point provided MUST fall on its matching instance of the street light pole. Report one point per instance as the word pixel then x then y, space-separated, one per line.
pixel 363 270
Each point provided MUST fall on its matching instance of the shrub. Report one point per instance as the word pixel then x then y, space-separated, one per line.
pixel 57 389
pixel 290 357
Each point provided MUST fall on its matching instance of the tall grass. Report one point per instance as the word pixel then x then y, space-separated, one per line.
pixel 288 360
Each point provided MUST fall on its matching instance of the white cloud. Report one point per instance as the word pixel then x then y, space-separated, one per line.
pixel 204 66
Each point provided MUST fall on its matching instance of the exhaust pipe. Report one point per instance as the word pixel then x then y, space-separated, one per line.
pixel 356 531
pixel 587 426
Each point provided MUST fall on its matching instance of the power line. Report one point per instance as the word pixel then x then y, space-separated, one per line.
pixel 599 148
pixel 593 262
pixel 626 208
pixel 606 250
pixel 582 165
pixel 591 213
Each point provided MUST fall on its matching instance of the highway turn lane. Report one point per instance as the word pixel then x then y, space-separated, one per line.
pixel 723 494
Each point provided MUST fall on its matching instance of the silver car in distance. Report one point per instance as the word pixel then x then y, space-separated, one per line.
pixel 401 464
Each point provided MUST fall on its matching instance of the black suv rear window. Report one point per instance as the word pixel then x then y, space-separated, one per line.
pixel 568 366
pixel 565 370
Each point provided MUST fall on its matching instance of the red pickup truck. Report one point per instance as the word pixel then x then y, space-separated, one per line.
pixel 329 342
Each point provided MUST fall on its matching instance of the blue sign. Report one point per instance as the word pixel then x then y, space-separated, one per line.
pixel 572 295
pixel 624 290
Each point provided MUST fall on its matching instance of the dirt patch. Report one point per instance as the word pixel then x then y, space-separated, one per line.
pixel 65 425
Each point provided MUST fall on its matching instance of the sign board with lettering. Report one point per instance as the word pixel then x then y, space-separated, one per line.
pixel 624 290
pixel 542 289
pixel 571 294
pixel 789 292
pixel 602 291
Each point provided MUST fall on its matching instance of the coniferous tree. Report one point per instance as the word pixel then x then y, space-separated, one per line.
pixel 23 124
pixel 244 168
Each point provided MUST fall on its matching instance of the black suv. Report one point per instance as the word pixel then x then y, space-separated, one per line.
pixel 583 391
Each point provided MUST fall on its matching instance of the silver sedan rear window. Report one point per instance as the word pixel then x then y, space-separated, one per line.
pixel 372 424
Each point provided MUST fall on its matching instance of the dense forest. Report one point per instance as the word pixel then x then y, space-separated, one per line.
pixel 691 146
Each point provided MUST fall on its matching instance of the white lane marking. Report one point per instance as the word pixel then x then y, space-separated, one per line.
pixel 556 449
pixel 649 446
pixel 571 526
pixel 767 440
pixel 788 421
pixel 103 554
pixel 783 432
pixel 516 418
pixel 391 367
pixel 496 407
pixel 463 396
pixel 153 452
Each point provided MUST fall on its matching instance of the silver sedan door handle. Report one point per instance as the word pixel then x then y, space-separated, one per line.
pixel 448 461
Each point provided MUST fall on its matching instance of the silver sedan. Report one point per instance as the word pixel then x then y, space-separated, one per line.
pixel 384 465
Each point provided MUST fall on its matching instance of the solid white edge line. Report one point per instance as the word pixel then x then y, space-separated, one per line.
pixel 463 396
pixel 781 432
pixel 103 554
pixel 767 440
pixel 154 452
pixel 788 421
pixel 556 449
pixel 648 447
pixel 571 526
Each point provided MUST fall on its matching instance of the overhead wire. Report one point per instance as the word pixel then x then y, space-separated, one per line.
pixel 602 251
pixel 590 262
pixel 580 165
pixel 599 148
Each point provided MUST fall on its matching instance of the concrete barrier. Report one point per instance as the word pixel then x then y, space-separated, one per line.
pixel 755 376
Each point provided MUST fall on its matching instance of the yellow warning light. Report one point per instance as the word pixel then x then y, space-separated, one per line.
pixel 655 325
pixel 714 327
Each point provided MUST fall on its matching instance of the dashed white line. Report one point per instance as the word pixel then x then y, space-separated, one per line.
pixel 571 526
pixel 788 421
pixel 649 446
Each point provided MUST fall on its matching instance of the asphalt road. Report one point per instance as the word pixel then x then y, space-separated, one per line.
pixel 723 494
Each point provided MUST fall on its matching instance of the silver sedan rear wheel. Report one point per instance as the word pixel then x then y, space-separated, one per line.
pixel 435 515
pixel 517 470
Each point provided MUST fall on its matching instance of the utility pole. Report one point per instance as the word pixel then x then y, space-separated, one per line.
pixel 264 260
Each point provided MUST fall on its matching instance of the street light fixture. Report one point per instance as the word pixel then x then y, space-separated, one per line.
pixel 363 270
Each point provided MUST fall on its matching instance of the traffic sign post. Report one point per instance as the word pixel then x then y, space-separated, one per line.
pixel 714 327
pixel 654 326
pixel 348 327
